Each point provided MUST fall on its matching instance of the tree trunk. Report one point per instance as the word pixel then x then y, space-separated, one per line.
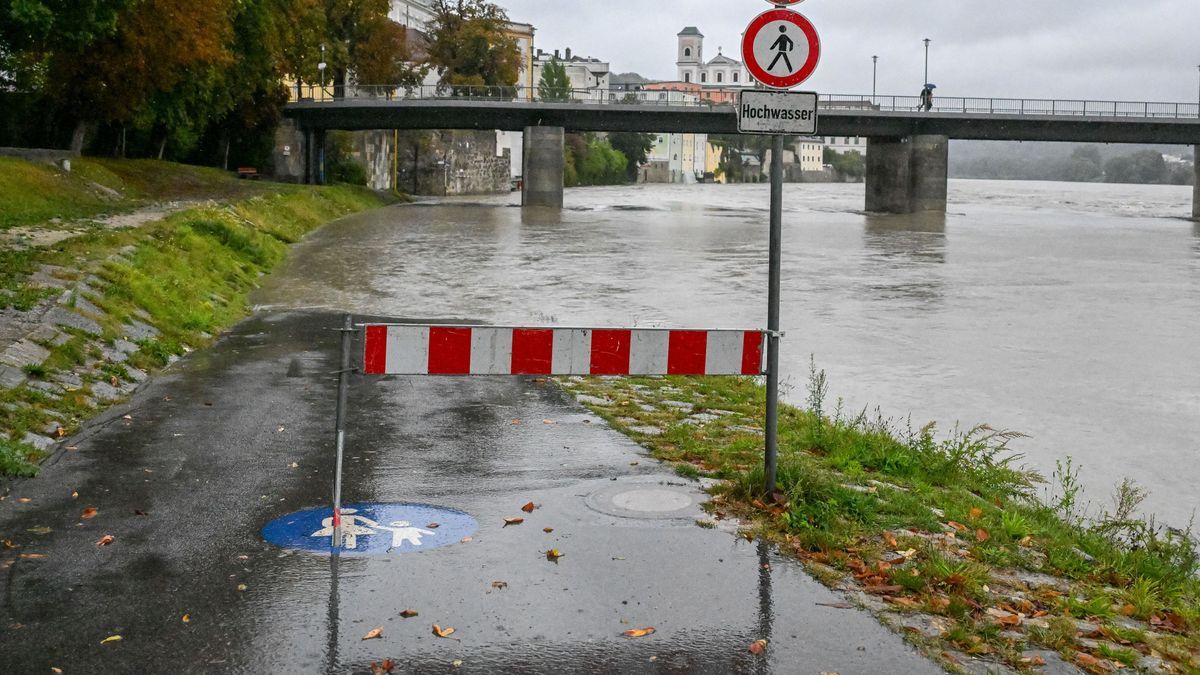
pixel 225 161
pixel 162 147
pixel 78 137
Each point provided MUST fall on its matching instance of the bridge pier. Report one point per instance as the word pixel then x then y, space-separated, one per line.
pixel 542 167
pixel 314 156
pixel 907 174
pixel 1196 188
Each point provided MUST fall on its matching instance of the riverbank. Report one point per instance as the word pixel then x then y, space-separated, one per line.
pixel 979 562
pixel 89 313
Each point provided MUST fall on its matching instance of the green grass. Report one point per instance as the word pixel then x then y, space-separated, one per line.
pixel 34 193
pixel 191 273
pixel 852 491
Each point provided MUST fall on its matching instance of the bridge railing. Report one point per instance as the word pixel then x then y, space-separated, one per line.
pixel 728 97
pixel 1018 106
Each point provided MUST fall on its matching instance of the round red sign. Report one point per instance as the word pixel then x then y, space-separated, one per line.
pixel 781 48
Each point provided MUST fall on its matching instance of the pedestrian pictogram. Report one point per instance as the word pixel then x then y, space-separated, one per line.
pixel 371 529
pixel 781 48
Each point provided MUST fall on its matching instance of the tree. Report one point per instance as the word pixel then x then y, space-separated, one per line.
pixel 554 84
pixel 382 56
pixel 471 47
pixel 635 146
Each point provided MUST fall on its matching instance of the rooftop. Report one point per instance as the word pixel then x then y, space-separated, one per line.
pixel 691 30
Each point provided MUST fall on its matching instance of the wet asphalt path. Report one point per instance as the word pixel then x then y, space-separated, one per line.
pixel 186 474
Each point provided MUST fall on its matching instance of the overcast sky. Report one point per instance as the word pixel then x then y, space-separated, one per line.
pixel 1094 49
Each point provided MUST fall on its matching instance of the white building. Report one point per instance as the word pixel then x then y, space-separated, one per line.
pixel 676 158
pixel 810 153
pixel 412 13
pixel 589 77
pixel 844 144
pixel 721 70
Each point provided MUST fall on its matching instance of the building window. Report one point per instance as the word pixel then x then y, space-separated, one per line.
pixel 735 77
pixel 720 77
pixel 687 77
pixel 687 51
pixel 704 77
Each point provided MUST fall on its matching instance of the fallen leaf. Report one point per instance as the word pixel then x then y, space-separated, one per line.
pixel 758 646
pixel 553 555
pixel 32 556
pixel 442 632
pixel 457 663
pixel 433 526
pixel 981 535
pixel 1026 541
pixel 241 587
pixel 516 422
pixel 958 526
pixel 8 543
pixel 464 540
pixel 528 508
pixel 58 671
pixel 74 495
pixel 373 634
pixel 901 601
pixel 384 668
pixel 408 613
pixel 106 540
pixel 501 585
pixel 513 521
pixel 547 421
pixel 890 540
pixel 89 513
pixel 24 500
pixel 547 530
pixel 187 618
pixel 1128 610
pixel 639 632
pixel 128 418
pixel 139 512
pixel 41 529
pixel 976 513
pixel 836 605
pixel 111 638
pixel 881 589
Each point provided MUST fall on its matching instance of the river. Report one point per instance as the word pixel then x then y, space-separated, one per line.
pixel 1069 312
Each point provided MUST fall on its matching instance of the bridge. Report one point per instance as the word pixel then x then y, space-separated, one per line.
pixel 907 148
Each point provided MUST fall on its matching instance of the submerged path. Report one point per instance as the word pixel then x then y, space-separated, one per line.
pixel 185 475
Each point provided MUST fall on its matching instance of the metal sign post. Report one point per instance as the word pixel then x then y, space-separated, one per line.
pixel 343 387
pixel 781 49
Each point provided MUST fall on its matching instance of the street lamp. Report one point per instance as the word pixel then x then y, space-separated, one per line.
pixel 874 72
pixel 321 67
pixel 927 41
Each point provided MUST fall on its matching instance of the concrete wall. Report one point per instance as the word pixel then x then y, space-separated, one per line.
pixel 928 173
pixel 445 163
pixel 1196 187
pixel 287 160
pixel 375 151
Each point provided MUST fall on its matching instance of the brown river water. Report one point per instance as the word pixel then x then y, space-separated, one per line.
pixel 1069 312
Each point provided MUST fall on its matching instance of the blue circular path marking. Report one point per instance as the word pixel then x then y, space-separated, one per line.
pixel 371 529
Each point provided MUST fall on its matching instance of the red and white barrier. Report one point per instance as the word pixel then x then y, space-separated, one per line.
pixel 485 350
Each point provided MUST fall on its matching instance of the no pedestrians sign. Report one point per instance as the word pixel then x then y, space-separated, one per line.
pixel 781 48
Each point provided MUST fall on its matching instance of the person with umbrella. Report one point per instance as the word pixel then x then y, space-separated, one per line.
pixel 927 97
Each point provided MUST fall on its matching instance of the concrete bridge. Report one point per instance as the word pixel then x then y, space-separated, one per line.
pixel 907 149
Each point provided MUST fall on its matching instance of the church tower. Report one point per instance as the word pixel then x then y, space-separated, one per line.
pixel 691 54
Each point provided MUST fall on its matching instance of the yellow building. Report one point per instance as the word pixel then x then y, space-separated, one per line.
pixel 523 34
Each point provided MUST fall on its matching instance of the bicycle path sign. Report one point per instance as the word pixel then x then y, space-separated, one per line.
pixel 781 48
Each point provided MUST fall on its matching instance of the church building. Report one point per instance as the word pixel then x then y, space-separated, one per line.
pixel 721 71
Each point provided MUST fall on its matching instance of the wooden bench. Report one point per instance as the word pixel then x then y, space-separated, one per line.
pixel 248 173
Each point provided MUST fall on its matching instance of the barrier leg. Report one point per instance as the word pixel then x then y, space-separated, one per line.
pixel 343 386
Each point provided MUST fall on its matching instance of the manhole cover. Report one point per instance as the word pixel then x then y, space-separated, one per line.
pixel 652 501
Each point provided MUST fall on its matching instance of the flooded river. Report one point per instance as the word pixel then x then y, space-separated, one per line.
pixel 1068 312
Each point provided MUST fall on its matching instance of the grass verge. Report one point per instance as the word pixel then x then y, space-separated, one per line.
pixel 950 540
pixel 188 276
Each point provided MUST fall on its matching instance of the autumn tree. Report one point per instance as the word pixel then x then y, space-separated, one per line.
pixel 471 47
pixel 383 56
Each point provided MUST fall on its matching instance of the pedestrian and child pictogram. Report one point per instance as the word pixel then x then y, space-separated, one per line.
pixel 781 48
pixel 371 529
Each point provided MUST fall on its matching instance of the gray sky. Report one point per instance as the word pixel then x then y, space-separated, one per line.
pixel 1094 49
